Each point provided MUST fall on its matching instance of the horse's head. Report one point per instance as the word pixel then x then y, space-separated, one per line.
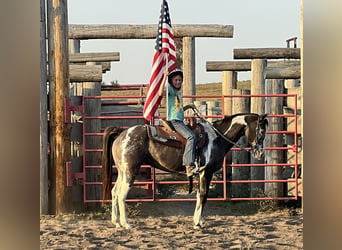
pixel 250 125
pixel 255 133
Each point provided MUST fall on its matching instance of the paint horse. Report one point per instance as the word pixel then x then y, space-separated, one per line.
pixel 130 148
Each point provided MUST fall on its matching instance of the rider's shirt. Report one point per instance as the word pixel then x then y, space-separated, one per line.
pixel 175 104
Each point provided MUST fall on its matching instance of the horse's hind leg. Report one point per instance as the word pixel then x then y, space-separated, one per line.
pixel 115 208
pixel 121 200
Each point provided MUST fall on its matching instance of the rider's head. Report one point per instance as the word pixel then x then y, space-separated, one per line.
pixel 175 78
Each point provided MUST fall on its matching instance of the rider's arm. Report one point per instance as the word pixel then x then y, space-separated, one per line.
pixel 162 85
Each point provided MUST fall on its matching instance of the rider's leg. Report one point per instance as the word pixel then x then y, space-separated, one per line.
pixel 190 148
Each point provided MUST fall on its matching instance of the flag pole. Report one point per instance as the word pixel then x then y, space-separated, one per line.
pixel 165 54
pixel 167 85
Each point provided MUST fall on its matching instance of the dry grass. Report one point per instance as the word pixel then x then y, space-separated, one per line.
pixel 201 89
pixel 207 89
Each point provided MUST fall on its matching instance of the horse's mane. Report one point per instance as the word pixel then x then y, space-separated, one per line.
pixel 230 117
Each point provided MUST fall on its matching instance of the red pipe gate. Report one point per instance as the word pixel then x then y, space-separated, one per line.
pixel 152 184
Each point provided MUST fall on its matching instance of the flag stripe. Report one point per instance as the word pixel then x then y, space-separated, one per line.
pixel 153 99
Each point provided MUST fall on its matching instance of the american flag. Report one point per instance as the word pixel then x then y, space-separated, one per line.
pixel 164 57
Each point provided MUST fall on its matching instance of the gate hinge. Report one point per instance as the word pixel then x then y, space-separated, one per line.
pixel 70 175
pixel 68 108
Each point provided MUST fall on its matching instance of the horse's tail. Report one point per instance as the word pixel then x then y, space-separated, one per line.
pixel 110 134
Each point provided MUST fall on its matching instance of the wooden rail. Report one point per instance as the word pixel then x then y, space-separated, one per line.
pixel 146 31
pixel 267 53
pixel 244 65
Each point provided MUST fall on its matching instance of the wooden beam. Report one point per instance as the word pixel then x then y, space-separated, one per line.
pixel 85 73
pixel 146 31
pixel 228 65
pixel 244 65
pixel 94 57
pixel 292 72
pixel 106 66
pixel 267 53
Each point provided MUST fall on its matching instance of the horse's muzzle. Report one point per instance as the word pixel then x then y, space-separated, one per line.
pixel 258 153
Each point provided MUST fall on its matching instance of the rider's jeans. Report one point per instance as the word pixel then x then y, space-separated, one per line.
pixel 190 147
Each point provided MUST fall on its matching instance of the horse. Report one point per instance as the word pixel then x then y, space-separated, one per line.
pixel 132 147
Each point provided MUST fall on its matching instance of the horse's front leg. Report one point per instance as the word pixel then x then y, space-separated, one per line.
pixel 201 199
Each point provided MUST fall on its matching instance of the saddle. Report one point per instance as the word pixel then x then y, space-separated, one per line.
pixel 166 134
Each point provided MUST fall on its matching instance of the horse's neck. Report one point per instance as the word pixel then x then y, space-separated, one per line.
pixel 232 131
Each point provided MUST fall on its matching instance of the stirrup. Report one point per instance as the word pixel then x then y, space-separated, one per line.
pixel 198 169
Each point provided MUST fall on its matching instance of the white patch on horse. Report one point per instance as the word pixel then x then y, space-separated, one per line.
pixel 124 188
pixel 211 137
pixel 198 209
pixel 238 119
pixel 126 145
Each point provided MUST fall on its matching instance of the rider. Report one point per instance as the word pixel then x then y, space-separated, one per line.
pixel 175 115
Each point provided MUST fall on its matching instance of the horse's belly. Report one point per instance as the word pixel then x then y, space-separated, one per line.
pixel 166 157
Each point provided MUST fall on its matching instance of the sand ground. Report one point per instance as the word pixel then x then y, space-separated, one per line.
pixel 169 226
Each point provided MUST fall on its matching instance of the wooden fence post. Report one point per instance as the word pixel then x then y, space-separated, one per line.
pixel 76 135
pixel 213 108
pixel 294 88
pixel 44 197
pixel 58 92
pixel 258 68
pixel 93 108
pixel 274 105
pixel 241 105
pixel 189 86
pixel 229 80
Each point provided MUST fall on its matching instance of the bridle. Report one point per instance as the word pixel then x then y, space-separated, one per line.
pixel 257 131
pixel 255 141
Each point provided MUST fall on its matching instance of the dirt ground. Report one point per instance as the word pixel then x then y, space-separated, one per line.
pixel 167 225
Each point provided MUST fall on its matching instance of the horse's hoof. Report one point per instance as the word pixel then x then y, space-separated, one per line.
pixel 199 225
pixel 117 224
pixel 128 226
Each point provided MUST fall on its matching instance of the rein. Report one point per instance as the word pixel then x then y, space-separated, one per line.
pixel 196 111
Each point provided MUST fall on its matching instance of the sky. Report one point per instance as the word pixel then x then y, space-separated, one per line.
pixel 257 24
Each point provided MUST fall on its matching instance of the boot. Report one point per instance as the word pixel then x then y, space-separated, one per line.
pixel 191 170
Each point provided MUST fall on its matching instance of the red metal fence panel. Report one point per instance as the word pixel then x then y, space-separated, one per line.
pixel 151 186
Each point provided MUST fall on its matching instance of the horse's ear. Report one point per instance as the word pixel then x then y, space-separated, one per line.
pixel 262 117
